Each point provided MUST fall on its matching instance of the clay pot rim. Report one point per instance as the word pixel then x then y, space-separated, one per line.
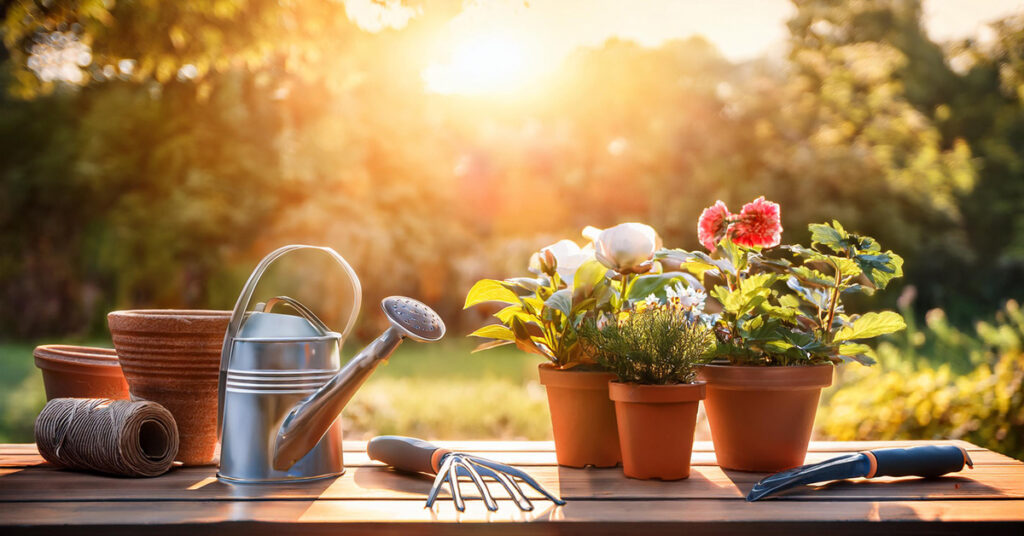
pixel 657 394
pixel 168 321
pixel 187 314
pixel 746 377
pixel 78 359
pixel 550 376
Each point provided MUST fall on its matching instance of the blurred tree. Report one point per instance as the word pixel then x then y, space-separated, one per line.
pixel 185 140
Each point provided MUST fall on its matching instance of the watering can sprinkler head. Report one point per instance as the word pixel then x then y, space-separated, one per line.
pixel 413 319
pixel 309 420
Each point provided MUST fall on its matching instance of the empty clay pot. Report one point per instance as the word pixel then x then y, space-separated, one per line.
pixel 761 417
pixel 80 372
pixel 172 357
pixel 582 417
pixel 656 424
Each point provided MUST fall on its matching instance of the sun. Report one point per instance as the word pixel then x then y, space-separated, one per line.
pixel 483 64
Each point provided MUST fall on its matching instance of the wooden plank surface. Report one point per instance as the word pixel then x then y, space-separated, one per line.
pixel 35 497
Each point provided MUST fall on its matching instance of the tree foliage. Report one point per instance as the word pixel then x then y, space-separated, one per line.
pixel 240 125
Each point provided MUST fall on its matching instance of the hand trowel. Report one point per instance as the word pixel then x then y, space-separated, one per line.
pixel 927 461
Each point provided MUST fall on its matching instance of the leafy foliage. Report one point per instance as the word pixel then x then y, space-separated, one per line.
pixel 544 316
pixel 775 312
pixel 934 397
pixel 651 346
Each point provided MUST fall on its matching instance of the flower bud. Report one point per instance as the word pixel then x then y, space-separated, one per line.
pixel 627 248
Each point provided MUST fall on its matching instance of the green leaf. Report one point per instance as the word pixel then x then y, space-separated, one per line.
pixel 588 276
pixel 522 286
pixel 860 353
pixel 832 236
pixel 880 268
pixel 494 331
pixel 560 301
pixel 505 315
pixel 817 298
pixel 871 325
pixel 490 344
pixel 487 290
pixel 524 341
pixel 646 285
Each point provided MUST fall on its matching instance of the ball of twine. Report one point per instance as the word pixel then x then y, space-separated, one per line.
pixel 118 437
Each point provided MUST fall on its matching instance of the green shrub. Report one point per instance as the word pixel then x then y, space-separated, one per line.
pixel 976 395
pixel 652 346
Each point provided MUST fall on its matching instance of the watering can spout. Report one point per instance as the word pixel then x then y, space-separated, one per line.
pixel 310 419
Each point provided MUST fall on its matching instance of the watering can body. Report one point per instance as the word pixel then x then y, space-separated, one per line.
pixel 270 364
pixel 276 363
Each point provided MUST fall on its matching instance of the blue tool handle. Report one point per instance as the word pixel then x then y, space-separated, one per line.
pixel 926 461
pixel 406 453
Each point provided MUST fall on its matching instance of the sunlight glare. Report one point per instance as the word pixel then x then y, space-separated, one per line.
pixel 482 64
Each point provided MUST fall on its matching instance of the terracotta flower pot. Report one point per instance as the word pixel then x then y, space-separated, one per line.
pixel 80 372
pixel 582 417
pixel 761 417
pixel 172 357
pixel 656 424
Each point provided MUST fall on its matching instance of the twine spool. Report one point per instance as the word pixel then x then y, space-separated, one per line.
pixel 118 437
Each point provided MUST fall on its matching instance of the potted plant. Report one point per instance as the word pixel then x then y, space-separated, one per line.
pixel 654 352
pixel 781 327
pixel 543 315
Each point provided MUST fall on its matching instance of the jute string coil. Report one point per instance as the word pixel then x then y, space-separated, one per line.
pixel 118 437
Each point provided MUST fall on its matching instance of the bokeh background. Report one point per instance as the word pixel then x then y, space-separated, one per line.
pixel 152 152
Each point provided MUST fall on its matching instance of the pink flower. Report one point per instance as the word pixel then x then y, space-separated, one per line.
pixel 759 224
pixel 713 224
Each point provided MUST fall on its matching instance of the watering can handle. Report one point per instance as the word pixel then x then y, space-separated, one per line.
pixel 244 299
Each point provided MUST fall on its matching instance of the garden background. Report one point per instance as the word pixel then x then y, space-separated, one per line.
pixel 152 152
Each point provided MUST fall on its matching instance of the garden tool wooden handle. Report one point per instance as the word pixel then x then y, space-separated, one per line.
pixel 406 453
pixel 926 461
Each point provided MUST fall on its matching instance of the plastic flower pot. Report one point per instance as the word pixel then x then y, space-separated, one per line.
pixel 582 417
pixel 656 424
pixel 80 372
pixel 761 417
pixel 172 357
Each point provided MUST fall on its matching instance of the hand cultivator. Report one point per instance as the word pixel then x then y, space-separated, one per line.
pixel 416 455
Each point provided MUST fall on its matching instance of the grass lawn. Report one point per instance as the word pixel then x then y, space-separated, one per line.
pixel 425 390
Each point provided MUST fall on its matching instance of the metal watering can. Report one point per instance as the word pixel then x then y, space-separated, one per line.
pixel 282 386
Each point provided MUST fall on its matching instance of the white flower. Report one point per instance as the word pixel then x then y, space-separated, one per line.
pixel 568 258
pixel 652 301
pixel 691 298
pixel 627 247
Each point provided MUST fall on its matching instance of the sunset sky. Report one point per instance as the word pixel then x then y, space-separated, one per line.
pixel 500 45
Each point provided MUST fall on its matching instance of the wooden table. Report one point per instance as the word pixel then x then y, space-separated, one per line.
pixel 370 498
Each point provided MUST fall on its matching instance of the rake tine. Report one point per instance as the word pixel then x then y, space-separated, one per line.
pixel 522 501
pixel 508 483
pixel 442 474
pixel 485 493
pixel 453 483
pixel 509 470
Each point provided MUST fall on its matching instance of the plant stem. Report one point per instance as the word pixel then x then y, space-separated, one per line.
pixel 833 303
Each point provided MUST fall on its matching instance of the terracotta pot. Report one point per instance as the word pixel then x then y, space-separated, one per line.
pixel 761 417
pixel 582 417
pixel 656 425
pixel 172 357
pixel 80 372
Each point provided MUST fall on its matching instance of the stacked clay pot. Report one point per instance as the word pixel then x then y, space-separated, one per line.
pixel 80 372
pixel 172 357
